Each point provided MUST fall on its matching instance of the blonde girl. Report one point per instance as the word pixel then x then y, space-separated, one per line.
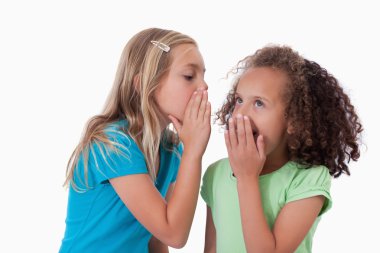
pixel 133 183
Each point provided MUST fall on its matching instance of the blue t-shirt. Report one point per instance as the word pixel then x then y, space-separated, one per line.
pixel 97 219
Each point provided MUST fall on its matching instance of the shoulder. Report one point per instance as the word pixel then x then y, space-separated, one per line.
pixel 217 168
pixel 310 178
pixel 214 175
pixel 116 144
pixel 117 131
pixel 309 182
pixel 314 173
pixel 302 176
pixel 118 139
pixel 221 163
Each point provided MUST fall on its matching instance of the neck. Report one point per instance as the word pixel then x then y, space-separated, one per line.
pixel 270 167
pixel 275 161
pixel 164 124
pixel 164 121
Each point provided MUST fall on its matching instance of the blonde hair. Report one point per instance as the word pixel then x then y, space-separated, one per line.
pixel 141 67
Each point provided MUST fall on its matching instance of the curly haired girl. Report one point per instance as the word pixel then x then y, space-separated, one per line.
pixel 290 128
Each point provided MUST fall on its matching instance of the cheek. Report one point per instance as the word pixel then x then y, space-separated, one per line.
pixel 186 95
pixel 234 108
pixel 274 133
pixel 181 104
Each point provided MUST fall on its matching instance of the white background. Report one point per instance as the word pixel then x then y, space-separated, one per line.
pixel 58 61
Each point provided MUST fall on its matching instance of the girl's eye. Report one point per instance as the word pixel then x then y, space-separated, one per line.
pixel 238 100
pixel 259 103
pixel 188 77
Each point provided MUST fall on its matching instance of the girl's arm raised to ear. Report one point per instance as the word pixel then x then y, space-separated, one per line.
pixel 170 221
pixel 210 236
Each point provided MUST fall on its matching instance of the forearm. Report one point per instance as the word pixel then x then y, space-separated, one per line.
pixel 257 235
pixel 182 204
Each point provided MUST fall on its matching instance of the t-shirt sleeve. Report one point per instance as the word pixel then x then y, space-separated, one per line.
pixel 309 183
pixel 207 185
pixel 106 162
pixel 178 154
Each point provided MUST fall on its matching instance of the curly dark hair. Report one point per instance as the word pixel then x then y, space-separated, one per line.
pixel 325 127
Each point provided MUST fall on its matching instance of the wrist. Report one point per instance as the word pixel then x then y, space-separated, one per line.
pixel 247 178
pixel 192 156
pixel 247 183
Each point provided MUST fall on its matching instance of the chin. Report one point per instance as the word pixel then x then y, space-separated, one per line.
pixel 180 120
pixel 167 121
pixel 179 116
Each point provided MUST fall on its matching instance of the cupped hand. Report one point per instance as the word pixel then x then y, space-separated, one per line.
pixel 246 157
pixel 195 129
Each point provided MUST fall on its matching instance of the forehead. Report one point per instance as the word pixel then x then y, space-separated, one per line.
pixel 186 55
pixel 263 80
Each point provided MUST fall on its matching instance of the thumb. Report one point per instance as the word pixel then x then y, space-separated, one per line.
pixel 261 146
pixel 176 123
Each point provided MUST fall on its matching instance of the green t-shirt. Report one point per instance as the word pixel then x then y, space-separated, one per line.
pixel 289 183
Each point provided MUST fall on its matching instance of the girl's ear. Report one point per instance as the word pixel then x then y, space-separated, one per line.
pixel 290 128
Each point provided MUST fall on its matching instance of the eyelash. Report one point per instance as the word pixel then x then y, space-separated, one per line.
pixel 237 99
pixel 188 77
pixel 261 102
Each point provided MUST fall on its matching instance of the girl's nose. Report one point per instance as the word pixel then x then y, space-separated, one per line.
pixel 240 110
pixel 203 85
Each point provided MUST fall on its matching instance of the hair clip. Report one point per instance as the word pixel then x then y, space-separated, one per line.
pixel 161 45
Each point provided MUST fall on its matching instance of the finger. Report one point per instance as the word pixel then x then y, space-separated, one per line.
pixel 248 132
pixel 190 104
pixel 232 132
pixel 176 123
pixel 203 105
pixel 227 140
pixel 207 115
pixel 261 146
pixel 196 104
pixel 240 130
